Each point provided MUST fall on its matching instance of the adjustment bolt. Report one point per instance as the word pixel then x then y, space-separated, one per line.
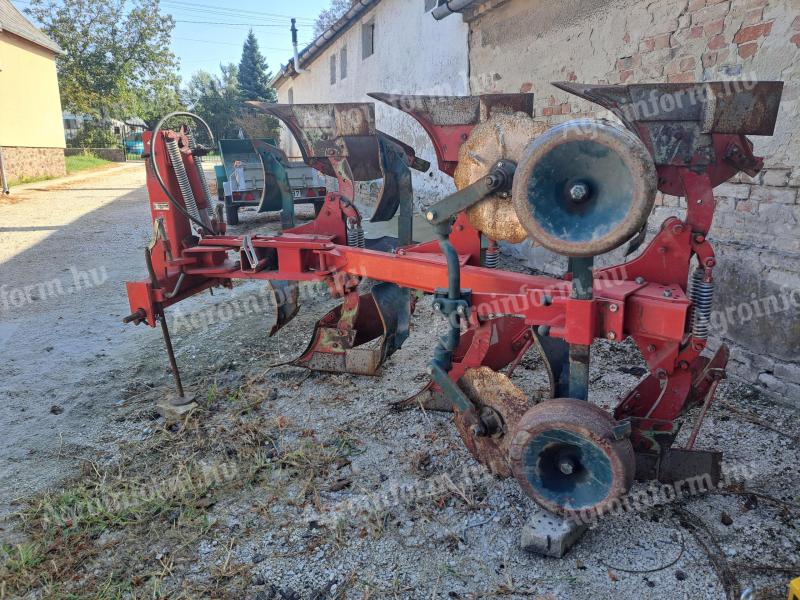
pixel 566 466
pixel 431 215
pixel 460 310
pixel 611 335
pixel 640 280
pixel 613 307
pixel 478 430
pixel 437 306
pixel 579 192
pixel 668 293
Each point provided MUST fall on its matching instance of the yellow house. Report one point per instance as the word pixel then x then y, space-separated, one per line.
pixel 31 125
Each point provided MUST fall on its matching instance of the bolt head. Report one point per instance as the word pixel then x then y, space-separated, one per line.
pixel 566 466
pixel 667 293
pixel 613 308
pixel 611 335
pixel 640 280
pixel 579 192
pixel 430 215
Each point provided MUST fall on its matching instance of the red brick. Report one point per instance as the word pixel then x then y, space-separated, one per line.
pixel 695 32
pixel 714 27
pixel 525 88
pixel 672 68
pixel 688 63
pixel 571 76
pixel 709 59
pixel 748 50
pixel 566 108
pixel 747 206
pixel 625 75
pixel 647 45
pixel 722 56
pixel 796 23
pixel 548 111
pixel 796 39
pixel 751 17
pixel 662 41
pixel 695 5
pixel 752 32
pixel 681 78
pixel 717 42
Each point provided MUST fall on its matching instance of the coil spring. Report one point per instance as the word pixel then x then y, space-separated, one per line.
pixel 183 178
pixel 201 174
pixel 355 235
pixel 492 258
pixel 701 294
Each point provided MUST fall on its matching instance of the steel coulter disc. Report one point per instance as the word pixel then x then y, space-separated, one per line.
pixel 585 187
pixel 492 391
pixel 501 137
pixel 565 457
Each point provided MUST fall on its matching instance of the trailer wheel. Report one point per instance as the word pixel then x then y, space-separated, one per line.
pixel 231 213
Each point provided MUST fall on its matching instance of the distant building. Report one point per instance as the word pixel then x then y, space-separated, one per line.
pixel 31 129
pixel 392 46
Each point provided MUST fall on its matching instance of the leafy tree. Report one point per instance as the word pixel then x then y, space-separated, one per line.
pixel 216 99
pixel 253 76
pixel 330 15
pixel 96 135
pixel 116 52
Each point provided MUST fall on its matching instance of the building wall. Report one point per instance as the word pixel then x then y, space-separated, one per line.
pixel 31 129
pixel 414 54
pixel 522 45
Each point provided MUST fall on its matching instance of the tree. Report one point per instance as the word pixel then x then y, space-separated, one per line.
pixel 254 77
pixel 216 99
pixel 330 15
pixel 116 52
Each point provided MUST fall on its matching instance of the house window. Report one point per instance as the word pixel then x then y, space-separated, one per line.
pixel 290 96
pixel 343 63
pixel 333 69
pixel 368 39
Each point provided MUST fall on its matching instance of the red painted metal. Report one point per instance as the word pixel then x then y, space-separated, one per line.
pixel 644 298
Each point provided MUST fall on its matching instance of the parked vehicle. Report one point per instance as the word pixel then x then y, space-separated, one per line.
pixel 240 180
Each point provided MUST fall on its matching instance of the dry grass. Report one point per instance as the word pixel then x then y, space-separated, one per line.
pixel 132 528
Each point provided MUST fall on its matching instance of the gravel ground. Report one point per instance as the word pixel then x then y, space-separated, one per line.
pixel 75 383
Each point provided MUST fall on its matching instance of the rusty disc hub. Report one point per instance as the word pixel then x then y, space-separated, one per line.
pixel 566 456
pixel 500 404
pixel 503 136
pixel 585 187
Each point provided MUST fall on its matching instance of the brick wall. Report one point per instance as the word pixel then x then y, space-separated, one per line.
pixel 522 45
pixel 23 163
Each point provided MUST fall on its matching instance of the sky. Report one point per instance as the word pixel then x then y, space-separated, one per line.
pixel 210 32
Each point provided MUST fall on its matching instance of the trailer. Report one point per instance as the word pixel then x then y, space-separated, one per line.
pixel 240 179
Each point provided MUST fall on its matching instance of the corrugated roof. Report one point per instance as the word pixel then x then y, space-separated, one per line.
pixel 13 21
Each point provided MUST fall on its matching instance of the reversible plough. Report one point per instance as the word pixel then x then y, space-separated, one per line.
pixel 580 189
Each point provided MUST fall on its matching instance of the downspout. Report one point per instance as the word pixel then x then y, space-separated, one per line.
pixel 450 7
pixel 3 176
pixel 297 68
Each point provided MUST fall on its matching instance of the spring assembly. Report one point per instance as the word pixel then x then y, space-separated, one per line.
pixel 201 175
pixel 183 179
pixel 701 293
pixel 355 234
pixel 492 258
